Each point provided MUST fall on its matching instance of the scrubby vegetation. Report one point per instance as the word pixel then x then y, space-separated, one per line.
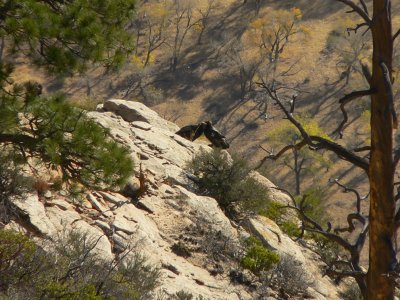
pixel 289 277
pixel 70 268
pixel 257 258
pixel 228 180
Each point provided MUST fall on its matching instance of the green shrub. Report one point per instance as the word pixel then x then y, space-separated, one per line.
pixel 276 212
pixel 273 211
pixel 71 269
pixel 258 258
pixel 290 276
pixel 290 228
pixel 313 204
pixel 228 181
pixel 16 250
pixel 56 290
pixel 328 250
pixel 12 183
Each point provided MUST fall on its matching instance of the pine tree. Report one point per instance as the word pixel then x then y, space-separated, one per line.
pixel 63 37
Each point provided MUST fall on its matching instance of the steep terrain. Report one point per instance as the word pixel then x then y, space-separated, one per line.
pixel 205 85
pixel 169 215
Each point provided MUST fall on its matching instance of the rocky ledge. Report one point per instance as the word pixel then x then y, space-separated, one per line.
pixel 169 217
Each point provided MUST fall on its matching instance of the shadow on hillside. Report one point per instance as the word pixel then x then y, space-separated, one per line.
pixel 314 9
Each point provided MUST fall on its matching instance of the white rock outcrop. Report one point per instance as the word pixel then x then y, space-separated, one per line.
pixel 166 214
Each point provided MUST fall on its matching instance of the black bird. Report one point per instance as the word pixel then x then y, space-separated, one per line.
pixel 192 132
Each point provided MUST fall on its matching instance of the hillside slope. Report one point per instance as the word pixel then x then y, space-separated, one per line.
pixel 168 214
pixel 206 87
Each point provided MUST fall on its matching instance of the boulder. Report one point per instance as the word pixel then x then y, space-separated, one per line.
pixel 132 111
pixel 273 238
pixel 273 193
pixel 205 210
pixel 30 206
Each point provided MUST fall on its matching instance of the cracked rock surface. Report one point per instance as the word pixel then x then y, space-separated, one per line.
pixel 168 216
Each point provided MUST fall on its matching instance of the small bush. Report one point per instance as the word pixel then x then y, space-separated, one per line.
pixel 290 228
pixel 290 277
pixel 217 246
pixel 57 184
pixel 276 212
pixel 70 269
pixel 258 258
pixel 15 251
pixel 228 181
pixel 182 295
pixel 328 250
pixel 273 211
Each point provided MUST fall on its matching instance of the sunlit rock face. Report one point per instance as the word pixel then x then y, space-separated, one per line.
pixel 167 215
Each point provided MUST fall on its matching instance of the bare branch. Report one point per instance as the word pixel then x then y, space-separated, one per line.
pixel 350 219
pixel 358 26
pixel 297 146
pixel 317 142
pixel 308 224
pixel 362 149
pixel 360 11
pixel 364 6
pixel 347 99
pixel 340 151
pixel 354 191
pixel 396 34
pixel 318 229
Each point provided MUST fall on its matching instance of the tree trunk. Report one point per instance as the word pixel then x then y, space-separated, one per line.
pixel 382 256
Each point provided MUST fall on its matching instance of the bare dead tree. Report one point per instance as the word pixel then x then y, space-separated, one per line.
pixel 205 17
pixel 183 20
pixel 349 265
pixel 245 68
pixel 379 164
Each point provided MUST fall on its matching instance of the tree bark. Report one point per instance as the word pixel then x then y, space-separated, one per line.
pixel 382 257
